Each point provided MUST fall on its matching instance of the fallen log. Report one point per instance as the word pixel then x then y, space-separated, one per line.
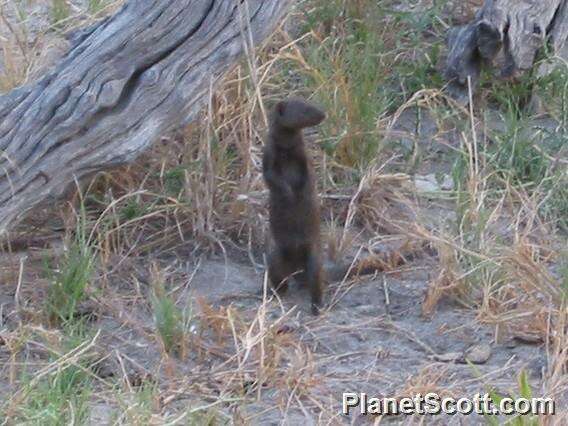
pixel 124 82
pixel 507 35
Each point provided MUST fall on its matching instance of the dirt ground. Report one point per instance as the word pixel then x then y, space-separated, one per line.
pixel 360 343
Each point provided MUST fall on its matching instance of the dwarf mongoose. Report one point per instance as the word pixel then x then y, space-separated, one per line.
pixel 294 205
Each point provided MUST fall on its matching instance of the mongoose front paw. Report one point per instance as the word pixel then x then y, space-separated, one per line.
pixel 288 193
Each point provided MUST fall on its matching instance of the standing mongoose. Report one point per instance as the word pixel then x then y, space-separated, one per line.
pixel 294 206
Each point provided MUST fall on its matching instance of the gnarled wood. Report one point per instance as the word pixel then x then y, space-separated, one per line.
pixel 124 82
pixel 507 34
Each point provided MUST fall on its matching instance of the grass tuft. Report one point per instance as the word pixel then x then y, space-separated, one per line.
pixel 172 323
pixel 69 283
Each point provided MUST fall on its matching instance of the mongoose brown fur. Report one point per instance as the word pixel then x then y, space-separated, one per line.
pixel 294 206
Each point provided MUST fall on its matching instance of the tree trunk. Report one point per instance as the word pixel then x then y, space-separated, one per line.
pixel 506 34
pixel 124 82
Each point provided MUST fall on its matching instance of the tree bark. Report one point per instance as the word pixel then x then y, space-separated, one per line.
pixel 124 82
pixel 506 34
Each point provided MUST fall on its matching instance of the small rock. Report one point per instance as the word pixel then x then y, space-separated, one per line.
pixel 426 184
pixel 478 354
pixel 528 338
pixel 433 183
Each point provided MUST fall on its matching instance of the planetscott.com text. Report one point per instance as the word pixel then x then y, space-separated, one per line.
pixel 432 403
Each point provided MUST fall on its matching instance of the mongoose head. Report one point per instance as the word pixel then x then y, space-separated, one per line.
pixel 296 114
